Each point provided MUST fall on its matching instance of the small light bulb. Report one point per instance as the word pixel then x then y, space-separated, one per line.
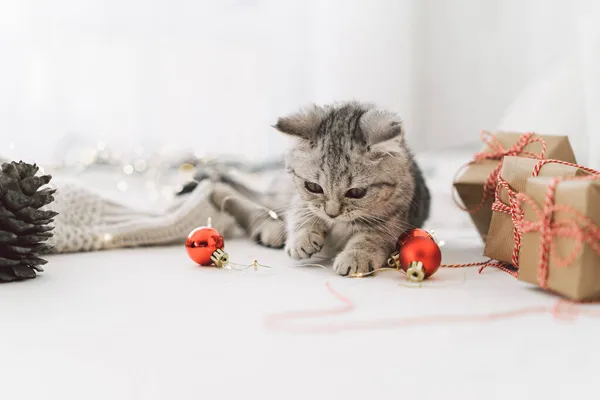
pixel 199 154
pixel 122 186
pixel 140 165
pixel 128 169
pixel 167 192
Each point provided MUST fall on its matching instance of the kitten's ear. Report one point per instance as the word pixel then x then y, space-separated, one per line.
pixel 304 124
pixel 380 126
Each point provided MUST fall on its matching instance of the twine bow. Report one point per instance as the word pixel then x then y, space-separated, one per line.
pixel 497 152
pixel 578 226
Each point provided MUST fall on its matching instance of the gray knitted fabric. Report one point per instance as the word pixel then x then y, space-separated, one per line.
pixel 88 221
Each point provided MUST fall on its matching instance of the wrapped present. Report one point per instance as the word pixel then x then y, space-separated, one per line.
pixel 476 182
pixel 560 245
pixel 502 242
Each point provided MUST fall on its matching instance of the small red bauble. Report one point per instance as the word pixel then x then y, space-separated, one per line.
pixel 205 245
pixel 418 254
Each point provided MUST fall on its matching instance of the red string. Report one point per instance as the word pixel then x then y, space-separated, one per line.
pixel 497 152
pixel 278 322
pixel 516 214
pixel 483 265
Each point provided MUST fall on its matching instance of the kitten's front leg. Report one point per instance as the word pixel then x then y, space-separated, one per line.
pixel 306 236
pixel 364 253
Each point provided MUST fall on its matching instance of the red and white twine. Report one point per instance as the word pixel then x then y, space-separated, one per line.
pixel 497 152
pixel 579 227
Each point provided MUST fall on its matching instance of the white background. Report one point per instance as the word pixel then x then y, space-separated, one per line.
pixel 214 75
pixel 148 324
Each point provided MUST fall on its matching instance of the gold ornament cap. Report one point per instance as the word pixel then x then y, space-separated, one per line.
pixel 220 258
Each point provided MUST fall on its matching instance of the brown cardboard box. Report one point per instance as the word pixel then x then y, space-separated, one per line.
pixel 515 171
pixel 580 280
pixel 470 184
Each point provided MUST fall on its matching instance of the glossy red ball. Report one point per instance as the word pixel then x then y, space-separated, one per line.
pixel 414 233
pixel 420 249
pixel 201 243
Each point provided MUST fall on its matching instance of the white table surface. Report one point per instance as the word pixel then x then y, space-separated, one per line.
pixel 148 324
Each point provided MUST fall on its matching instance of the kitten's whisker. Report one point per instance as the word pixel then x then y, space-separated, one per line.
pixel 281 234
pixel 378 226
pixel 404 226
pixel 303 223
pixel 255 230
pixel 395 223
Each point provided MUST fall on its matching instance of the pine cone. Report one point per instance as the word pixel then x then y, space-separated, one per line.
pixel 24 228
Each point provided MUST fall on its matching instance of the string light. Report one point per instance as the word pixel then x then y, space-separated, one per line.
pixel 241 267
pixel 122 186
pixel 205 246
pixel 408 283
pixel 139 165
pixel 164 171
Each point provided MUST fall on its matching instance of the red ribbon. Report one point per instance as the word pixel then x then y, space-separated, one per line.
pixel 497 152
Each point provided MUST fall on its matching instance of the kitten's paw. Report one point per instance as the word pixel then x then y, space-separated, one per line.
pixel 356 262
pixel 305 244
pixel 268 231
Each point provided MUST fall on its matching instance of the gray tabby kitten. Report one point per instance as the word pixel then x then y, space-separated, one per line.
pixel 356 187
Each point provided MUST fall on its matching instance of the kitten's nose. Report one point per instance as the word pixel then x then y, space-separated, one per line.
pixel 332 215
pixel 332 209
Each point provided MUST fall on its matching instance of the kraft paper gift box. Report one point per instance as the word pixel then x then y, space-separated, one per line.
pixel 515 171
pixel 580 279
pixel 470 184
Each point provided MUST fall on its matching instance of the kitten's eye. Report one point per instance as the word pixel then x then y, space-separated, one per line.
pixel 356 193
pixel 313 187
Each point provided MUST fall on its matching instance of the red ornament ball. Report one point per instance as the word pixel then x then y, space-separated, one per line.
pixel 203 244
pixel 420 257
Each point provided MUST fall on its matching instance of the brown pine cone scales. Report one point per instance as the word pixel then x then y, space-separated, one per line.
pixel 24 227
